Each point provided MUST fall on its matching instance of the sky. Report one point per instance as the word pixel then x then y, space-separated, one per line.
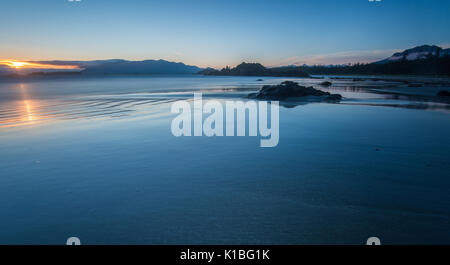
pixel 213 33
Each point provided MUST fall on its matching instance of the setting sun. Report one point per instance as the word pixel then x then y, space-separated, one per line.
pixel 35 65
pixel 18 64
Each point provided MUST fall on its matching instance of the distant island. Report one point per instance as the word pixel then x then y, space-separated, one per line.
pixel 256 69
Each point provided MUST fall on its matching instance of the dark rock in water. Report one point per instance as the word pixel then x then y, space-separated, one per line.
pixel 443 93
pixel 259 80
pixel 333 97
pixel 289 89
pixel 326 83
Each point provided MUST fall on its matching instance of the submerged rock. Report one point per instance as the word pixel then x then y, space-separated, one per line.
pixel 326 83
pixel 333 97
pixel 443 93
pixel 289 89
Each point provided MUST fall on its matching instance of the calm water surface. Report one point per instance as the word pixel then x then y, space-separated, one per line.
pixel 95 158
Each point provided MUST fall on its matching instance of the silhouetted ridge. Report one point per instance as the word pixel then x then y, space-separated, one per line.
pixel 420 60
pixel 256 69
pixel 140 67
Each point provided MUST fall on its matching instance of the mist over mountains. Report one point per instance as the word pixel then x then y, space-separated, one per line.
pixel 418 53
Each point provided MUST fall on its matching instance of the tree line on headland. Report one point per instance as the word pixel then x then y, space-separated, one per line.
pixel 428 66
pixel 256 69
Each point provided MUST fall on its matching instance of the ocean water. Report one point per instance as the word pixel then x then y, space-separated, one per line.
pixel 95 158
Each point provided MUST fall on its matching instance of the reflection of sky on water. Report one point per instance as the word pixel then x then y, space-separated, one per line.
pixel 340 174
pixel 45 100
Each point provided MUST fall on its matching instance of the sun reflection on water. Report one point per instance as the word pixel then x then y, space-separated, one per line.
pixel 22 112
pixel 28 111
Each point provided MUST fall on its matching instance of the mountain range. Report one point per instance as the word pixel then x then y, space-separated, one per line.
pixel 113 66
pixel 425 59
pixel 138 67
pixel 420 60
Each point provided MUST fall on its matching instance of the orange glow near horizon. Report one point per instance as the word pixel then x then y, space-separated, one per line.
pixel 32 65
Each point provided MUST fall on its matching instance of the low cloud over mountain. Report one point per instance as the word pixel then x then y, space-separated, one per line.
pixel 418 53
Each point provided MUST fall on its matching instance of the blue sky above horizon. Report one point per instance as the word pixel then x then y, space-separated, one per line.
pixel 218 33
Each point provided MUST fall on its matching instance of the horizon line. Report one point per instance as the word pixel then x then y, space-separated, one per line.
pixel 329 59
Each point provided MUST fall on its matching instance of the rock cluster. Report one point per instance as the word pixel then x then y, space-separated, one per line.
pixel 289 89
